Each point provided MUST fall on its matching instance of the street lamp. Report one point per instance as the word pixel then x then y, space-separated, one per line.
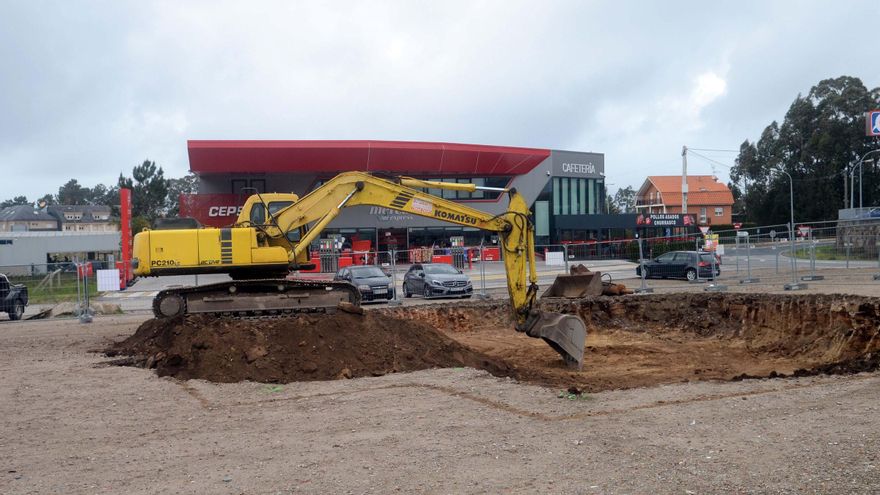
pixel 852 177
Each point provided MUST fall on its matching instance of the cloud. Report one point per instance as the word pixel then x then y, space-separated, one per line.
pixel 95 91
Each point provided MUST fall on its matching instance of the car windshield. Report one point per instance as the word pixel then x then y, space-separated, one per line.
pixel 367 272
pixel 448 269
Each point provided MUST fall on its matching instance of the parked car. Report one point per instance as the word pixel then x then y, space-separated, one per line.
pixel 681 264
pixel 373 283
pixel 436 280
pixel 13 298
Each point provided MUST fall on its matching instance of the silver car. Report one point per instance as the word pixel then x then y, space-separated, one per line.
pixel 436 280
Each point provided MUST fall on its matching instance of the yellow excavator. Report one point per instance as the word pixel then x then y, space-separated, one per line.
pixel 272 235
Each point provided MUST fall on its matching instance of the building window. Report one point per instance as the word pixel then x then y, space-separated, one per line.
pixel 556 193
pixel 719 211
pixel 565 198
pixel 703 215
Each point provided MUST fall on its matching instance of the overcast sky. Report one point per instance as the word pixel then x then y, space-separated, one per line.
pixel 90 89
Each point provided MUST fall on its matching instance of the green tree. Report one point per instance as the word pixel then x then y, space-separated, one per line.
pixel 72 193
pixel 187 184
pixel 149 190
pixel 611 206
pixel 49 199
pixel 625 200
pixel 18 200
pixel 819 142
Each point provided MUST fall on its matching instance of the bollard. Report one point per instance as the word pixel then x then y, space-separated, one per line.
pixel 748 279
pixel 644 287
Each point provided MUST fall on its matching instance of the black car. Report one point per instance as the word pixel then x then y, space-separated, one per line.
pixel 435 280
pixel 13 298
pixel 373 283
pixel 681 264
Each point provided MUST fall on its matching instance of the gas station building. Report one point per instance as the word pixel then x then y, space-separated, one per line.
pixel 564 188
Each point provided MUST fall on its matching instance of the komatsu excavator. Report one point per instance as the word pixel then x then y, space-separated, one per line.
pixel 272 235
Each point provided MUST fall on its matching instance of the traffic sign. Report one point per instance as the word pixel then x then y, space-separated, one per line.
pixel 804 230
pixel 737 225
pixel 773 234
pixel 872 123
pixel 704 229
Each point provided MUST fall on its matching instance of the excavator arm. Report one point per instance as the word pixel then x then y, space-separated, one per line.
pixel 565 333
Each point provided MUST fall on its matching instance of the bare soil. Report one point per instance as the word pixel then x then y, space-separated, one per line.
pixel 669 338
pixel 632 341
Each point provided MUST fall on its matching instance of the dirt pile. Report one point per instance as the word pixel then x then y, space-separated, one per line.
pixel 298 348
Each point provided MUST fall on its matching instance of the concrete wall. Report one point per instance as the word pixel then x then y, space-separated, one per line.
pixel 28 248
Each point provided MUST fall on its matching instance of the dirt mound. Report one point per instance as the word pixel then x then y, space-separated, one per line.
pixel 298 348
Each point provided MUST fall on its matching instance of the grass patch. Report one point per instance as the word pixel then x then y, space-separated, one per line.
pixel 63 288
pixel 833 253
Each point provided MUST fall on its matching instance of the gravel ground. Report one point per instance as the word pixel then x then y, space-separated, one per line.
pixel 70 425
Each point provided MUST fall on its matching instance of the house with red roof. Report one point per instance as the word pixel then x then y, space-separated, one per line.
pixel 709 200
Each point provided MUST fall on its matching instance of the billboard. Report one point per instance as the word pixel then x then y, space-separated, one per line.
pixel 665 220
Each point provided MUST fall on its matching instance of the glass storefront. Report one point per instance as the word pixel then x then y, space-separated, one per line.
pixel 574 196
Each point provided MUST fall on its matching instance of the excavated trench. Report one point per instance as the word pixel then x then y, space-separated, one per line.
pixel 633 341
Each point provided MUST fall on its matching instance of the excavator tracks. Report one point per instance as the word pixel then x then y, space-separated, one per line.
pixel 266 298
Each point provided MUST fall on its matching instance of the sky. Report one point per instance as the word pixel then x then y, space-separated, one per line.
pixel 90 89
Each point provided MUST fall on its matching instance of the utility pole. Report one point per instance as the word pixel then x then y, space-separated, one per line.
pixel 684 180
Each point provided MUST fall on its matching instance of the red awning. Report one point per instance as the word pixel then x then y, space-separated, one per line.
pixel 399 157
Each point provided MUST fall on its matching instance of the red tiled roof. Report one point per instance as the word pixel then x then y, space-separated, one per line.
pixel 702 190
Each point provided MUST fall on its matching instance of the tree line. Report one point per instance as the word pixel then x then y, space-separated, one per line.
pixel 152 195
pixel 819 143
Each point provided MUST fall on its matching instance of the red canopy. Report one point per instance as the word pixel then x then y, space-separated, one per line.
pixel 399 157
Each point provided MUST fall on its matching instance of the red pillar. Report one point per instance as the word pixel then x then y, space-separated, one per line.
pixel 125 222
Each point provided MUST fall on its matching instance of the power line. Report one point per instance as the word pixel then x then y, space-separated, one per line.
pixel 690 150
pixel 713 150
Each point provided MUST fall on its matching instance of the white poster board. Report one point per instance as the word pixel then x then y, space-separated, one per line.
pixel 554 258
pixel 108 280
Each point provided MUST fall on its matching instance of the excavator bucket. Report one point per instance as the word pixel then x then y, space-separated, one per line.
pixel 566 334
pixel 576 285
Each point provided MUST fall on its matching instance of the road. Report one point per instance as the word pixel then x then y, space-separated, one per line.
pixel 139 297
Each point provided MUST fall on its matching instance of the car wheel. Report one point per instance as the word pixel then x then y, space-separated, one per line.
pixel 426 291
pixel 406 292
pixel 17 310
pixel 691 274
pixel 647 273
